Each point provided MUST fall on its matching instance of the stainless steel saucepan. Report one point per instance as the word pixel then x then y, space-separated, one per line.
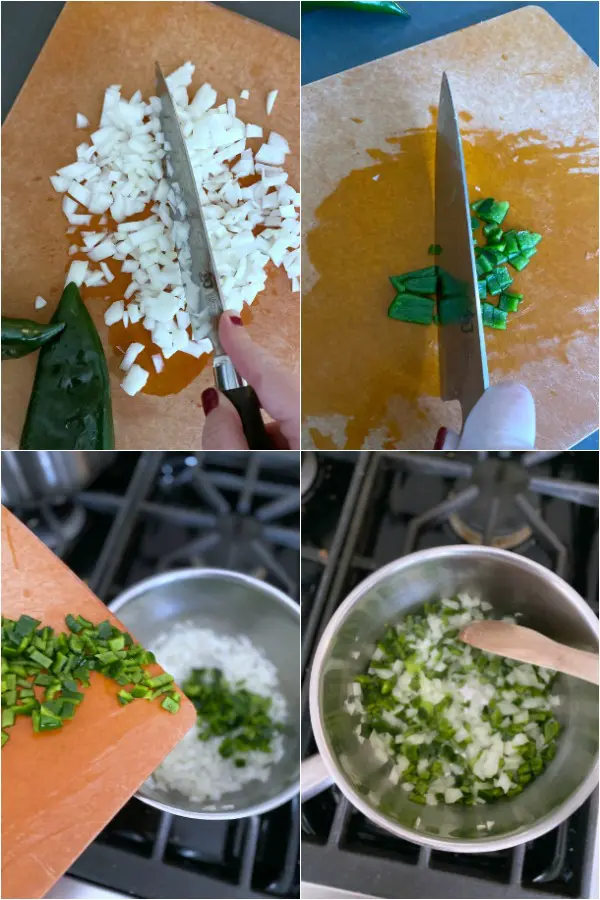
pixel 511 583
pixel 233 604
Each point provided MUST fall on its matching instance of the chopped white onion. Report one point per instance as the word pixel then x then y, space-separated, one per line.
pixel 130 356
pixel 60 183
pixel 40 302
pixel 135 380
pixel 102 251
pixel 271 98
pixel 197 348
pixel 107 273
pixel 94 279
pixel 77 272
pixel 158 362
pixel 279 142
pixel 119 174
pixel 114 313
pixel 81 121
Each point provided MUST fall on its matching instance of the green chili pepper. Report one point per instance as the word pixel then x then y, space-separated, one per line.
pixel 424 285
pixel 492 232
pixel 519 261
pixel 70 405
pixel 434 250
pixel 508 304
pixel 22 336
pixel 493 317
pixel 527 240
pixel 242 719
pixel 69 656
pixel 160 680
pixel 412 308
pixel 170 705
pixel 490 210
pixel 414 289
pixel 365 6
pixel 483 266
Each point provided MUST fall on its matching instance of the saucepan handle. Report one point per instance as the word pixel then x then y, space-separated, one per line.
pixel 314 777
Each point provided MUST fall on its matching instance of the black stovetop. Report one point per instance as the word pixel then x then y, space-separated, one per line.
pixel 161 511
pixel 364 510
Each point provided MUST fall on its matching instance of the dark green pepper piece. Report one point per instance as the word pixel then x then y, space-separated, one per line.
pixel 412 308
pixel 508 304
pixel 22 336
pixel 359 5
pixel 70 405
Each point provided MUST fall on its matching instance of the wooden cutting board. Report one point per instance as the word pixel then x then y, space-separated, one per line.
pixel 92 46
pixel 527 96
pixel 60 789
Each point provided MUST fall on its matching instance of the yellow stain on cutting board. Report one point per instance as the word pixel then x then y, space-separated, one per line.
pixel 355 359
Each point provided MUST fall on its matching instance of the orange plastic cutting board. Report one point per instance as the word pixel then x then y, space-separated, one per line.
pixel 60 789
pixel 92 46
pixel 528 97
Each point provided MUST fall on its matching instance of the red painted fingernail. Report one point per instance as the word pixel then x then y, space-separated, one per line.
pixel 210 400
pixel 440 439
pixel 235 320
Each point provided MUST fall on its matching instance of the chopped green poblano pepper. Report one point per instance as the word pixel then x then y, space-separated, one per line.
pixel 490 210
pixel 42 671
pixel 413 704
pixel 431 295
pixel 412 308
pixel 434 250
pixel 241 719
pixel 493 316
pixel 508 304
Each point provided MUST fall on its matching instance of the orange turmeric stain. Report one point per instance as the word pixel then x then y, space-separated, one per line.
pixel 355 359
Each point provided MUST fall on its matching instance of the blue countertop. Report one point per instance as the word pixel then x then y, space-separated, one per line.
pixel 336 40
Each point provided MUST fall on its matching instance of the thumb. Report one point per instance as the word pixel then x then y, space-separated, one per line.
pixel 502 419
pixel 222 428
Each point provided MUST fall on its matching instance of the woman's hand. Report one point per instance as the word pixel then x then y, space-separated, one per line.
pixel 277 389
pixel 502 419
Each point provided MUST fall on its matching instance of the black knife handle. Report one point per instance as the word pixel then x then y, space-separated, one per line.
pixel 248 409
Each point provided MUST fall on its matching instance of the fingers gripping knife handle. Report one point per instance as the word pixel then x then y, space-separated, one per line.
pixel 245 401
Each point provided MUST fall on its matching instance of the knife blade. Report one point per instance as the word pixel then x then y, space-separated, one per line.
pixel 203 291
pixel 462 354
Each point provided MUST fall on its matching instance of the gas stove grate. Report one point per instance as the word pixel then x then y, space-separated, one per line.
pixel 154 511
pixel 390 504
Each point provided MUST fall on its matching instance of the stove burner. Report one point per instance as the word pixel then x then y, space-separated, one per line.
pixel 500 481
pixel 56 526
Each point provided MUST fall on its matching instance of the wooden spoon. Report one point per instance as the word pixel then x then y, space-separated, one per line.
pixel 529 646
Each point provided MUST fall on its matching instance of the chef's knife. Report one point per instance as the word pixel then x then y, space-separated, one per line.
pixel 463 360
pixel 203 290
